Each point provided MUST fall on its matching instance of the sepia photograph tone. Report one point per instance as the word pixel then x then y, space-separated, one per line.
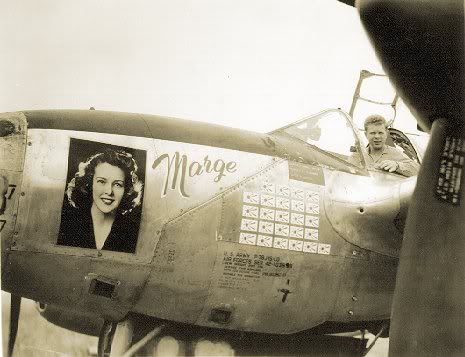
pixel 219 178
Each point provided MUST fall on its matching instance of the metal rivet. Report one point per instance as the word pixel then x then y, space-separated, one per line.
pixel 354 298
pixel 99 254
pixel 350 312
pixel 361 210
pixel 23 193
pixel 354 252
pixel 29 143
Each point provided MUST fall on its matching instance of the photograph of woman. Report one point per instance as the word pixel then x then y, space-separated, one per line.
pixel 102 203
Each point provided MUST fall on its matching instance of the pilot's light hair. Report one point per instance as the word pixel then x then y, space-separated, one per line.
pixel 79 190
pixel 374 119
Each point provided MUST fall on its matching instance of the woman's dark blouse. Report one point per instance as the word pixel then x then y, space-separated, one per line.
pixel 77 230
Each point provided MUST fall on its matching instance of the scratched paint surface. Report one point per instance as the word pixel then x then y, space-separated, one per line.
pixel 197 193
pixel 12 146
pixel 179 177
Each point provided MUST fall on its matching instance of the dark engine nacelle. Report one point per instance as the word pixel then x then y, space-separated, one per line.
pixel 77 321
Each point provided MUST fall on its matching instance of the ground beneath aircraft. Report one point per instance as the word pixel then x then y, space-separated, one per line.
pixel 38 337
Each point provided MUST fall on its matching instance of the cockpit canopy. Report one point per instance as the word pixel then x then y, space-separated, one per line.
pixel 333 133
pixel 330 131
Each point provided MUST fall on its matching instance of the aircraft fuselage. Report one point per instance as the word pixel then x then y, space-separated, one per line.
pixel 236 230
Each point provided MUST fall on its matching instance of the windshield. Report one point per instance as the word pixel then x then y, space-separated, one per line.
pixel 330 131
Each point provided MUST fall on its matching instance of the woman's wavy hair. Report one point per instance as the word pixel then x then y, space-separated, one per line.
pixel 79 189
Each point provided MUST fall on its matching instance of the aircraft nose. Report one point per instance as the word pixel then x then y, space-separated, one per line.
pixel 3 193
pixel 13 128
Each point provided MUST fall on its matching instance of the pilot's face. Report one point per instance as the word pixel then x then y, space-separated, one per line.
pixel 107 187
pixel 376 135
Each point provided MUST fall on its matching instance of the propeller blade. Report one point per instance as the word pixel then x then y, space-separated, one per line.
pixel 15 309
pixel 428 306
pixel 348 2
pixel 421 45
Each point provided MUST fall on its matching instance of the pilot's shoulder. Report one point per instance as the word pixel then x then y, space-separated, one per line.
pixel 396 153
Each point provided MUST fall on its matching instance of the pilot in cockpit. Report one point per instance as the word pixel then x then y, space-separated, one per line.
pixel 383 156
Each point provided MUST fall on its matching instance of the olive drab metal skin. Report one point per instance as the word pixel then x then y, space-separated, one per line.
pixel 236 230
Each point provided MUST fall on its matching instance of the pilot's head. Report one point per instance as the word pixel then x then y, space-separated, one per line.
pixel 376 131
pixel 107 180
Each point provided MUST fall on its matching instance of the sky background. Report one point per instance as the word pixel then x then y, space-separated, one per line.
pixel 256 65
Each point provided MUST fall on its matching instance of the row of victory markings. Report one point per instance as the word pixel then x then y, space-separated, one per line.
pixel 279 229
pixel 289 191
pixel 284 217
pixel 308 201
pixel 284 243
pixel 281 203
